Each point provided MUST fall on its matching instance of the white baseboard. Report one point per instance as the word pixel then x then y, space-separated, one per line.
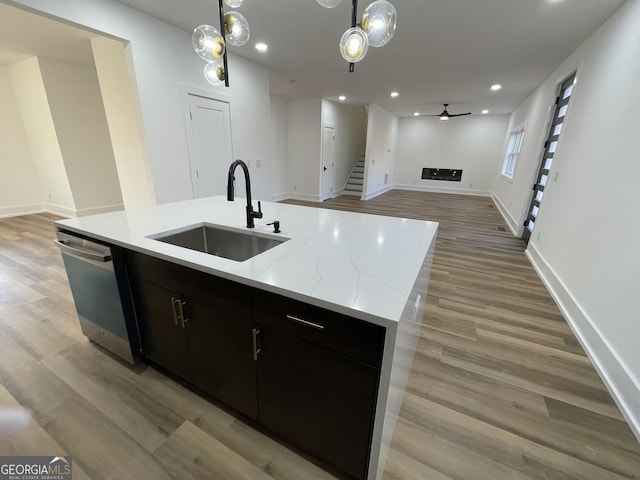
pixel 278 197
pixel 18 210
pixel 617 377
pixel 304 197
pixel 511 222
pixel 96 210
pixel 435 189
pixel 352 193
pixel 375 193
pixel 60 210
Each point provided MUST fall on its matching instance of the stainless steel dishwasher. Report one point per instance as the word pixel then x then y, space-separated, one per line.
pixel 101 293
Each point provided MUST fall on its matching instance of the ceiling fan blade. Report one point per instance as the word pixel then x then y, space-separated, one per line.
pixel 459 114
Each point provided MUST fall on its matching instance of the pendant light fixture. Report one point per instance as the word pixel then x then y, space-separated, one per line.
pixel 377 27
pixel 210 43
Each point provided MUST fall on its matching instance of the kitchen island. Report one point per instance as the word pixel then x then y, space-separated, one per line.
pixel 320 330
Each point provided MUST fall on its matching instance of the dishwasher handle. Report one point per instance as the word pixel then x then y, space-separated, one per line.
pixel 83 252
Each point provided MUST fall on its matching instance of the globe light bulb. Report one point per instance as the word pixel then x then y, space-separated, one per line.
pixel 236 29
pixel 329 3
pixel 379 22
pixel 214 72
pixel 354 45
pixel 208 43
pixel 233 3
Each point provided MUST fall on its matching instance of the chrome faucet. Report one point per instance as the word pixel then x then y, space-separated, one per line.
pixel 251 213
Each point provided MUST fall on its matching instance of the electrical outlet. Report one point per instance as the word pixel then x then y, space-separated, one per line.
pixel 471 185
pixel 295 187
pixel 258 163
pixel 538 237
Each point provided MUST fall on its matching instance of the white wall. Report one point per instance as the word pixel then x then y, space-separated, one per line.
pixel 513 195
pixel 26 79
pixel 76 107
pixel 380 158
pixel 279 147
pixel 472 143
pixel 304 128
pixel 124 120
pixel 20 187
pixel 163 59
pixel 350 133
pixel 585 243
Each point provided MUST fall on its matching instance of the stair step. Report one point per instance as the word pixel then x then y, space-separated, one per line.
pixel 358 170
pixel 355 181
pixel 357 175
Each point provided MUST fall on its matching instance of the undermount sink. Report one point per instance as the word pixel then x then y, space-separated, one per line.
pixel 220 241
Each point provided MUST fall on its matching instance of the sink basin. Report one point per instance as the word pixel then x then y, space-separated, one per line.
pixel 220 241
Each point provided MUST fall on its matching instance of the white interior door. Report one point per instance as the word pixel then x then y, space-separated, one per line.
pixel 328 162
pixel 210 152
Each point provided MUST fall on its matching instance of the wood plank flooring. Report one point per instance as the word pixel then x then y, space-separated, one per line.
pixel 500 388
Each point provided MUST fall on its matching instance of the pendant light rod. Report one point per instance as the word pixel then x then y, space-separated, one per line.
pixel 222 33
pixel 354 19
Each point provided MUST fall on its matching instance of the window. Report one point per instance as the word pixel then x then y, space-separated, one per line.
pixel 513 149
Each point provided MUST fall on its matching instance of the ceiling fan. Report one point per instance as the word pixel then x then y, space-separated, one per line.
pixel 445 115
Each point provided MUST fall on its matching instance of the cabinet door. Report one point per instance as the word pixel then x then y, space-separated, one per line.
pixel 319 400
pixel 163 338
pixel 220 344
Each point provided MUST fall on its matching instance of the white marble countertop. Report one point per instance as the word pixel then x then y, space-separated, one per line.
pixel 360 265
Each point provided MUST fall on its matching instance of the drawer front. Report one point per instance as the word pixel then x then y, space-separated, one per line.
pixel 346 335
pixel 192 283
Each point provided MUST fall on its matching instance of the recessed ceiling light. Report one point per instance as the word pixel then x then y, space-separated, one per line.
pixel 394 94
pixel 262 47
pixel 342 98
pixel 485 111
pixel 416 114
pixel 496 87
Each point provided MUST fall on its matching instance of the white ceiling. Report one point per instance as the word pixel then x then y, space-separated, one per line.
pixel 444 51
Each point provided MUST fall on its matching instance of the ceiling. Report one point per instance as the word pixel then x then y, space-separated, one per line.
pixel 444 51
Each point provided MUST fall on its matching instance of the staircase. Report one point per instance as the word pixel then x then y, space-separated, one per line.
pixel 356 179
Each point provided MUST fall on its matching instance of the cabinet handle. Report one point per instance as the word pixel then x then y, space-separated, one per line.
pixel 182 319
pixel 174 311
pixel 305 322
pixel 255 332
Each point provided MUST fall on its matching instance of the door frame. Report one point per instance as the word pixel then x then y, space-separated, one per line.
pixel 325 126
pixel 185 92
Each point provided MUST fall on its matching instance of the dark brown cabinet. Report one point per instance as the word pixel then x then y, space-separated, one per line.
pixel 307 374
pixel 317 399
pixel 197 326
pixel 318 379
pixel 219 335
pixel 162 338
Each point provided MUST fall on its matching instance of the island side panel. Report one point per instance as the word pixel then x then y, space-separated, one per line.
pixel 400 347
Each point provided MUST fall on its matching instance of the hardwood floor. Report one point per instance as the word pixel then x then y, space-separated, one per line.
pixel 500 388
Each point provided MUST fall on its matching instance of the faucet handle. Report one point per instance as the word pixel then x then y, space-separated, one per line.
pixel 258 214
